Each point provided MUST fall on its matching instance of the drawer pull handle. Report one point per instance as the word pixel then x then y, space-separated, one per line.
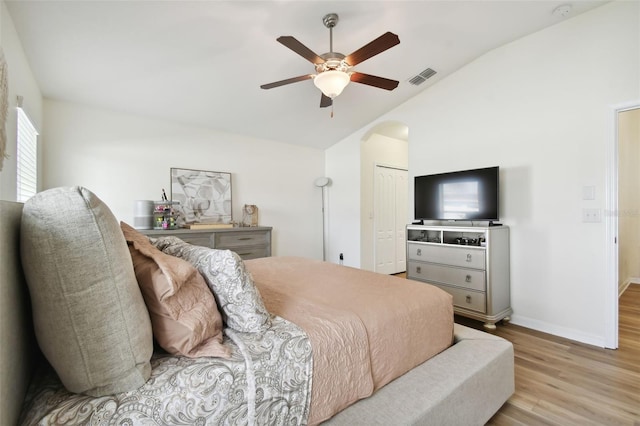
pixel 245 238
pixel 419 252
pixel 469 257
pixel 468 278
pixel 418 270
pixel 468 299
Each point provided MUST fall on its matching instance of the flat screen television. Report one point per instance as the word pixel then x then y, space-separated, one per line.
pixel 462 195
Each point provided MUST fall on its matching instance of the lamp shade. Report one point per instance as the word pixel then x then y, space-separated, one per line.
pixel 331 82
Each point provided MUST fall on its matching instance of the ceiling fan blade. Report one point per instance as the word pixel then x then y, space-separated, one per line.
pixel 379 45
pixel 302 50
pixel 287 81
pixel 372 80
pixel 325 101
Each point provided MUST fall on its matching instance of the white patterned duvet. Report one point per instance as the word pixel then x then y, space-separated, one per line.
pixel 252 387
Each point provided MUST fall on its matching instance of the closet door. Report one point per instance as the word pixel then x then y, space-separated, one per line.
pixel 390 213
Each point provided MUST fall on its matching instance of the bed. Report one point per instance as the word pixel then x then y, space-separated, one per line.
pixel 436 373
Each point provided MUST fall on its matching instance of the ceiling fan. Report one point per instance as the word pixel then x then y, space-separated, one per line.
pixel 335 70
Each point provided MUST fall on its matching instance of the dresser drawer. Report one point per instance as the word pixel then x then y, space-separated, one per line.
pixel 472 279
pixel 467 299
pixel 464 256
pixel 229 240
pixel 247 253
pixel 197 239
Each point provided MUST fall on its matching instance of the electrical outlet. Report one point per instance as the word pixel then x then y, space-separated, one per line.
pixel 591 215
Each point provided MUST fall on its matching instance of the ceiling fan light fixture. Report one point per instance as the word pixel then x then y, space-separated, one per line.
pixel 332 82
pixel 334 70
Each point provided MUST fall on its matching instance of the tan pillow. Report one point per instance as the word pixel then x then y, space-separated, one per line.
pixel 89 316
pixel 184 316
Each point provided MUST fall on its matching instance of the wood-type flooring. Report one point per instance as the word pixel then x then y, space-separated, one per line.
pixel 563 382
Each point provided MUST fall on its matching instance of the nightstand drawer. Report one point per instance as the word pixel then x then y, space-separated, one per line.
pixel 472 279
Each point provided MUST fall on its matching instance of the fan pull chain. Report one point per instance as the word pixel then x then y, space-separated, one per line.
pixel 331 109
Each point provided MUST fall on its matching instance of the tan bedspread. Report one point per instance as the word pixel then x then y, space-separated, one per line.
pixel 366 329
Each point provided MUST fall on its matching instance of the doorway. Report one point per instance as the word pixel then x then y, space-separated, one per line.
pixel 622 211
pixel 628 198
pixel 385 144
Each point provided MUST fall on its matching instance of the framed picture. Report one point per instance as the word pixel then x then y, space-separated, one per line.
pixel 205 197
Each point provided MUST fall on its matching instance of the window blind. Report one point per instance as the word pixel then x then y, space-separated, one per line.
pixel 27 158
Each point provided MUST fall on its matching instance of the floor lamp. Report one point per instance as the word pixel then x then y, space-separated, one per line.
pixel 322 183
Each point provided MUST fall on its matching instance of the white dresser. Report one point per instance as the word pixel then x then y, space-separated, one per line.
pixel 470 263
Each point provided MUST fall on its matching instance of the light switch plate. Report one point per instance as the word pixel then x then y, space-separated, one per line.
pixel 589 192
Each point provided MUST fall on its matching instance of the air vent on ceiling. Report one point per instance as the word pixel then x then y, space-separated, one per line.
pixel 422 77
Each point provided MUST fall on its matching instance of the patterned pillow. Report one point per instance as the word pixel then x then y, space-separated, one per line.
pixel 240 302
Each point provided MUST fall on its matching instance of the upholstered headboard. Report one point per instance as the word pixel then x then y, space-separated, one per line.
pixel 17 348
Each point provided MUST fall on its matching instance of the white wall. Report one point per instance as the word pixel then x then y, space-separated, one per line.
pixel 538 108
pixel 21 83
pixel 123 158
pixel 343 167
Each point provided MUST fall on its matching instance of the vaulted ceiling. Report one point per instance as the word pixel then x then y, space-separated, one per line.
pixel 202 62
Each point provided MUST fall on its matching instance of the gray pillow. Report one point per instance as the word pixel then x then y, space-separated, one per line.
pixel 240 302
pixel 89 315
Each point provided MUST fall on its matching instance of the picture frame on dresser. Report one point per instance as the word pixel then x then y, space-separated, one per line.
pixel 204 196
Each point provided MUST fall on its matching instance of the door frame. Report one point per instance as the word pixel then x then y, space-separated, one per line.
pixel 611 225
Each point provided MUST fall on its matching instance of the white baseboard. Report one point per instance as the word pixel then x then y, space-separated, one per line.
pixel 622 287
pixel 556 330
pixel 569 333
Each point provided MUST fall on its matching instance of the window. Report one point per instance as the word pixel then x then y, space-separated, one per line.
pixel 27 158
